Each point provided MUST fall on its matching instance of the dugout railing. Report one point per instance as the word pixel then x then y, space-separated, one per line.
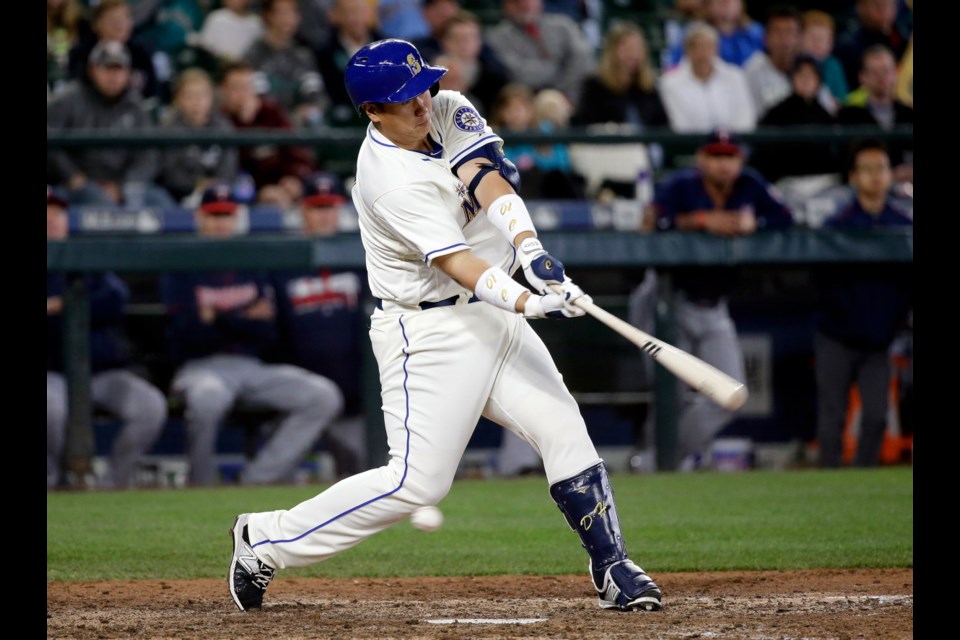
pixel 597 249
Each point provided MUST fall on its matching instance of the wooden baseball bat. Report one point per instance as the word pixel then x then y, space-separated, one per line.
pixel 705 378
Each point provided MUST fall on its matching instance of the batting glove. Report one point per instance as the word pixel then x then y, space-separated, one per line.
pixel 556 305
pixel 540 268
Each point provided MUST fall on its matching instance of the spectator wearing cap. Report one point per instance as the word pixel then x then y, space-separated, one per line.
pixel 105 175
pixel 801 107
pixel 278 171
pixel 768 70
pixel 220 325
pixel 703 92
pixel 185 170
pixel 115 387
pixel 113 20
pixel 723 197
pixel 320 321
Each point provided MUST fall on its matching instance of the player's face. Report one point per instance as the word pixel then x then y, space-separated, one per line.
pixel 720 170
pixel 216 225
pixel 58 225
pixel 405 123
pixel 320 221
pixel 871 173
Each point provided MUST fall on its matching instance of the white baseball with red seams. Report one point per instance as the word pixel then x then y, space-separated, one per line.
pixel 427 519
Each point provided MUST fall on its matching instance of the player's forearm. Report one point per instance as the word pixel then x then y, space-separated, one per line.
pixel 466 268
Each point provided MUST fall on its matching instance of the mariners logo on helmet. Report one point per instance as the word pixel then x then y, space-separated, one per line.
pixel 390 70
pixel 467 119
pixel 414 63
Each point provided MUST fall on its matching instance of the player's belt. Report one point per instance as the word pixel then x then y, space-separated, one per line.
pixel 432 305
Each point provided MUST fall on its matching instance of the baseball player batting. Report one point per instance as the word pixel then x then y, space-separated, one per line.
pixel 443 230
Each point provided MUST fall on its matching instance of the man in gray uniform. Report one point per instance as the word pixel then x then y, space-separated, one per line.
pixel 219 324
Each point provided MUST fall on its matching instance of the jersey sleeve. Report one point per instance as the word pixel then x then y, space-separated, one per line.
pixel 461 127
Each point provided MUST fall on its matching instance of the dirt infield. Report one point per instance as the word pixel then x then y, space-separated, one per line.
pixel 808 605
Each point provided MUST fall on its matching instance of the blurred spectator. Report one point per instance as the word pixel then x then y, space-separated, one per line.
pixel 286 70
pixel 676 18
pixel 878 24
pixel 542 50
pixel 230 30
pixel 904 92
pixel 278 171
pixel 64 22
pixel 168 29
pixel 862 309
pixel 111 20
pixel 455 79
pixel 703 92
pixel 878 78
pixel 738 35
pixel 436 14
pixel 114 387
pixel 483 75
pixel 321 322
pixel 545 170
pixel 402 19
pixel 185 170
pixel 351 20
pixel 315 29
pixel 816 39
pixel 219 325
pixel 768 70
pixel 107 175
pixel 720 196
pixel 587 14
pixel 801 107
pixel 624 87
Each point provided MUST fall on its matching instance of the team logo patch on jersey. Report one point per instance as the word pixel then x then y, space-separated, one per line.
pixel 467 119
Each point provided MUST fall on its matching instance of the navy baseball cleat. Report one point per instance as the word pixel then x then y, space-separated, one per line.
pixel 625 586
pixel 248 577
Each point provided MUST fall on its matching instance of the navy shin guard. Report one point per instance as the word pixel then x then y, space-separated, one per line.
pixel 587 503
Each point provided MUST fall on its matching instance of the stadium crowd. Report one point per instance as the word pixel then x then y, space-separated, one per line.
pixel 706 67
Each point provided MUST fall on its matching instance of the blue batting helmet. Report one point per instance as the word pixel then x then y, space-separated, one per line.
pixel 389 70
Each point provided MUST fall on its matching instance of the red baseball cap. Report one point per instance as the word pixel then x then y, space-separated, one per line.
pixel 721 142
pixel 218 199
pixel 53 197
pixel 322 189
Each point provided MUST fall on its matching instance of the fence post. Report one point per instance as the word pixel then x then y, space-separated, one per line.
pixel 78 449
pixel 664 382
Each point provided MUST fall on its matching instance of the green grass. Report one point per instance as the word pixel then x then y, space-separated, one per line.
pixel 671 522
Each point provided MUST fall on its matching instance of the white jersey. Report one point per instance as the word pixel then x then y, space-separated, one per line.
pixel 413 208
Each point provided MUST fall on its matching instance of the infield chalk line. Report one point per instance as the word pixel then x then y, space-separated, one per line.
pixel 487 620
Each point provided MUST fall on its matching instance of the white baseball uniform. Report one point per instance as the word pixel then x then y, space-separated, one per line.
pixel 442 367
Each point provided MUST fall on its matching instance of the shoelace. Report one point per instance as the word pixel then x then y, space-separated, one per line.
pixel 263 576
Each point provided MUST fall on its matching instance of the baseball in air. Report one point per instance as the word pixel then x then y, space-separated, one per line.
pixel 427 518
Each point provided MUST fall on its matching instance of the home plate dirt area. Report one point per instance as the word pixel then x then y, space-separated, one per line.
pixel 763 605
